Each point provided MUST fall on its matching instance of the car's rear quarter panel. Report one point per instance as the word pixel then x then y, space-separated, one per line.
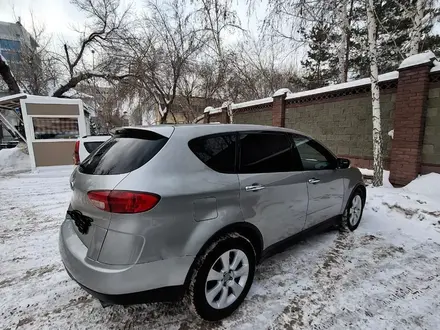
pixel 84 183
pixel 189 192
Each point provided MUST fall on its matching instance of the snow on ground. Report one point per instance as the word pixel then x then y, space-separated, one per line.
pixel 13 160
pixel 385 275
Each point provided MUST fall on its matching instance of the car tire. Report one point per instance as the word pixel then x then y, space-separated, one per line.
pixel 353 212
pixel 219 296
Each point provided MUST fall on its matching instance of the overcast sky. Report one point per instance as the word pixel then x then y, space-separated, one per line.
pixel 58 16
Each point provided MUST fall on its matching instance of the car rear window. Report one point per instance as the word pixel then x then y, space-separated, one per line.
pixel 92 146
pixel 126 151
pixel 217 152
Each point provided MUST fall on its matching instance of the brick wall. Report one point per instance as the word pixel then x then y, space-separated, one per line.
pixel 431 140
pixel 340 116
pixel 257 117
pixel 345 126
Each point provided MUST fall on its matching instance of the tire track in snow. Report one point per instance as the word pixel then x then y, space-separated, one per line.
pixel 379 287
pixel 326 277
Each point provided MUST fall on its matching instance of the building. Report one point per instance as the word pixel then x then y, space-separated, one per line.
pixel 13 39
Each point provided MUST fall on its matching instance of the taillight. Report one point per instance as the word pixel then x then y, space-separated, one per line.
pixel 76 153
pixel 122 201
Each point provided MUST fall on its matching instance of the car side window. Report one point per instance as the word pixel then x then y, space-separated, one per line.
pixel 216 151
pixel 313 155
pixel 267 152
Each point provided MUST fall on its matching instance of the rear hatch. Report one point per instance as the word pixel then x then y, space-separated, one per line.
pixel 126 151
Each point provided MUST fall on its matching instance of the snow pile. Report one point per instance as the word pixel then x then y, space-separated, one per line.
pixel 425 185
pixel 14 160
pixel 417 59
pixel 419 200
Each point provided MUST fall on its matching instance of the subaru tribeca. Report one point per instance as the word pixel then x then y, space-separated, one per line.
pixel 162 212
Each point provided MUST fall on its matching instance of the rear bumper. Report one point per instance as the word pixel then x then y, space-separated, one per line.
pixel 120 283
pixel 166 294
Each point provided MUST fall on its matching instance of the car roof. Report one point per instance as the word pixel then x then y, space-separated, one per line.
pixel 204 129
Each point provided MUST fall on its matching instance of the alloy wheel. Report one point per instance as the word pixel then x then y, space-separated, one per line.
pixel 355 210
pixel 227 279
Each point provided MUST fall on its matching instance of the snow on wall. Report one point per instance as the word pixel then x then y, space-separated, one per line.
pixel 281 91
pixel 356 83
pixel 436 66
pixel 417 59
pixel 252 103
pixel 408 62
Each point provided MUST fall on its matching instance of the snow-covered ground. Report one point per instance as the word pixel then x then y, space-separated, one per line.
pixel 385 275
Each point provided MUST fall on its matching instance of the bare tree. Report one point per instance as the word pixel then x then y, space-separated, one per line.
pixel 375 94
pixel 218 18
pixel 167 43
pixel 103 30
pixel 259 69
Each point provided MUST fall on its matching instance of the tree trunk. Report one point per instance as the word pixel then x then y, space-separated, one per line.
pixel 348 39
pixel 375 95
pixel 344 23
pixel 8 77
pixel 416 33
pixel 163 116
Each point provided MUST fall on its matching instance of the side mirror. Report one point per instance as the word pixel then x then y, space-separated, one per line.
pixel 343 163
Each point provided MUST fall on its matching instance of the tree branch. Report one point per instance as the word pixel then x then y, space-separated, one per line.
pixel 85 76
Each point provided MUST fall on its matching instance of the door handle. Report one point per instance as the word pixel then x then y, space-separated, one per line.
pixel 254 187
pixel 314 181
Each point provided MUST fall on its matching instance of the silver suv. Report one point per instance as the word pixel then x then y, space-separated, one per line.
pixel 162 212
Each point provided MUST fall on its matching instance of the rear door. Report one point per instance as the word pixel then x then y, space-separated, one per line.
pixel 126 151
pixel 273 190
pixel 324 182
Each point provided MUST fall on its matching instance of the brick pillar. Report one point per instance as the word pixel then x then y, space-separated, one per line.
pixel 224 119
pixel 409 122
pixel 279 107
